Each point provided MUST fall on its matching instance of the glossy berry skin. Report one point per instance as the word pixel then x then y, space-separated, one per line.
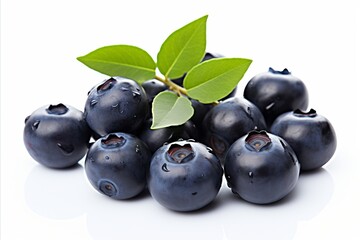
pixel 228 121
pixel 276 92
pixel 311 136
pixel 116 105
pixel 155 138
pixel 184 176
pixel 56 136
pixel 200 110
pixel 261 168
pixel 116 165
pixel 153 87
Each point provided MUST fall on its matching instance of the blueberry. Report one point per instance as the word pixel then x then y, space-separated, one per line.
pixel 200 110
pixel 228 121
pixel 116 105
pixel 153 87
pixel 155 138
pixel 184 176
pixel 276 92
pixel 311 136
pixel 56 136
pixel 261 168
pixel 191 131
pixel 116 165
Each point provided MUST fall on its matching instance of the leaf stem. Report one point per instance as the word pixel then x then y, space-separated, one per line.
pixel 176 88
pixel 172 86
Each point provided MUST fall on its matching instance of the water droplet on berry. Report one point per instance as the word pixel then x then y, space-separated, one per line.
pixel 93 102
pixel 66 148
pixel 209 149
pixel 164 168
pixel 268 107
pixel 135 94
pixel 107 157
pixel 251 176
pixel 35 125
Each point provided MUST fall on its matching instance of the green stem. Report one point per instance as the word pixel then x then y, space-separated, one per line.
pixel 172 86
pixel 176 88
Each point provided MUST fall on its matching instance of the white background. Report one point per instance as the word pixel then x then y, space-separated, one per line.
pixel 318 41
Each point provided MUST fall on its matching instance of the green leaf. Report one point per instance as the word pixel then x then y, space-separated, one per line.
pixel 216 78
pixel 183 49
pixel 170 109
pixel 121 60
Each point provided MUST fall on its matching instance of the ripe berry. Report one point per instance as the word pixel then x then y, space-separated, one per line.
pixel 200 110
pixel 116 105
pixel 152 87
pixel 310 135
pixel 276 92
pixel 56 136
pixel 184 176
pixel 155 138
pixel 116 165
pixel 261 168
pixel 228 121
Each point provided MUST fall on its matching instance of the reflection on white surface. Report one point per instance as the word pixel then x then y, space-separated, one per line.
pixel 67 194
pixel 56 194
pixel 279 220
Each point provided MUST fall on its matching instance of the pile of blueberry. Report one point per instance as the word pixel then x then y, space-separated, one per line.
pixel 260 142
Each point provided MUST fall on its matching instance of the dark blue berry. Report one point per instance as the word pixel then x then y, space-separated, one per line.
pixel 228 121
pixel 116 105
pixel 153 87
pixel 116 165
pixel 184 176
pixel 276 92
pixel 200 110
pixel 261 168
pixel 310 135
pixel 155 138
pixel 56 136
